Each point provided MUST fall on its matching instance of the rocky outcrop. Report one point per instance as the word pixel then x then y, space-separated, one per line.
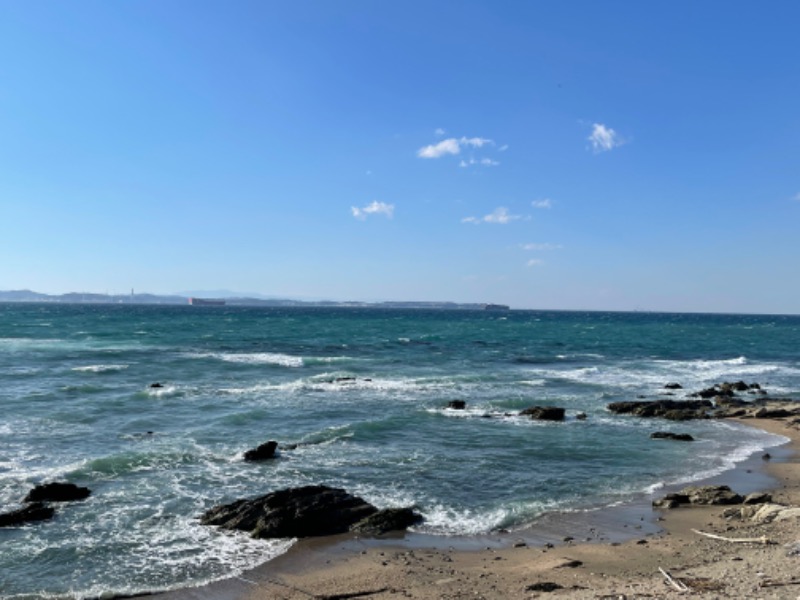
pixel 543 413
pixel 763 513
pixel 668 435
pixel 262 452
pixel 676 410
pixel 386 520
pixel 457 404
pixel 702 495
pixel 673 386
pixel 57 492
pixel 36 511
pixel 308 511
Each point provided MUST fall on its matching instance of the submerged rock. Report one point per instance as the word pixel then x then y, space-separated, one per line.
pixel 57 492
pixel 543 413
pixel 668 435
pixel 308 511
pixel 263 452
pixel 36 511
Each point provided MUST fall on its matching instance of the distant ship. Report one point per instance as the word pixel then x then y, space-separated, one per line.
pixel 496 307
pixel 206 302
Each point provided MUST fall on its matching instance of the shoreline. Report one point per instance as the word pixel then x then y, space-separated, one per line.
pixel 615 551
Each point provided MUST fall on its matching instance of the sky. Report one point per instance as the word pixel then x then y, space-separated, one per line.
pixel 546 155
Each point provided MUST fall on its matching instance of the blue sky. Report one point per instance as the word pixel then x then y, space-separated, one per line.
pixel 570 155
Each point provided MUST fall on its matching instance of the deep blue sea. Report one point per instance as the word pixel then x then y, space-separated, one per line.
pixel 363 393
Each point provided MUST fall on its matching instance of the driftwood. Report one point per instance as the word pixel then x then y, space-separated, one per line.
pixel 759 540
pixel 770 583
pixel 676 583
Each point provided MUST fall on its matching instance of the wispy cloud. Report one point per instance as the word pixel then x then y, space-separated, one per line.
pixel 604 138
pixel 503 148
pixel 541 246
pixel 500 216
pixel 542 203
pixel 797 197
pixel 486 162
pixel 374 208
pixel 455 146
pixel 535 262
pixel 439 132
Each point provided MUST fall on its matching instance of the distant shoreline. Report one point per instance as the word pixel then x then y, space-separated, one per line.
pixel 27 296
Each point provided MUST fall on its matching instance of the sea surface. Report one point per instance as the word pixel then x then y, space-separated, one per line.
pixel 363 392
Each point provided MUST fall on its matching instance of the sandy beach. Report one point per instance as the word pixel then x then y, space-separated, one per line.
pixel 623 553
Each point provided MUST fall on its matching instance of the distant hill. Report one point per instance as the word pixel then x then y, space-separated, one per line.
pixel 93 298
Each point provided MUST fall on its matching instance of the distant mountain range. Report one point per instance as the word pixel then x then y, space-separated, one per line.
pixel 89 298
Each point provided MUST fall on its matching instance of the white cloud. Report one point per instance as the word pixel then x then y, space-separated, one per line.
pixel 543 203
pixel 375 208
pixel 439 132
pixel 535 262
pixel 500 216
pixel 451 146
pixel 503 148
pixel 604 138
pixel 448 146
pixel 539 247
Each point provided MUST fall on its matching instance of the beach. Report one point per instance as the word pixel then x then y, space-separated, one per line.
pixel 523 565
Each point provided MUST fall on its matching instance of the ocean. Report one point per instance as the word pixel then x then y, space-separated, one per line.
pixel 363 393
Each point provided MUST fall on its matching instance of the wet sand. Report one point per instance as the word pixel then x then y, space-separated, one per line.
pixel 615 553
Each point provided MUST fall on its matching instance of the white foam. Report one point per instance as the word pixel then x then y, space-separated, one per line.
pixel 256 358
pixel 100 368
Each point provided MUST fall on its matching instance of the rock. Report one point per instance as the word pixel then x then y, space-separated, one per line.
pixel 711 494
pixel 457 404
pixel 671 501
pixel 307 511
pixel 757 498
pixel 676 410
pixel 263 452
pixel 766 513
pixel 386 520
pixel 772 413
pixel 673 386
pixel 766 456
pixel 544 413
pixel 543 586
pixel 668 435
pixel 57 492
pixel 581 416
pixel 156 385
pixel 36 511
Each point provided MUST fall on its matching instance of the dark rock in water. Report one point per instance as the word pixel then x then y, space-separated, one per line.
pixel 308 511
pixel 668 435
pixel 766 456
pixel 544 413
pixel 289 446
pixel 57 492
pixel 263 452
pixel 344 380
pixel 676 410
pixel 457 404
pixel 156 385
pixel 729 402
pixel 673 386
pixel 36 511
pixel 386 520
pixel 581 416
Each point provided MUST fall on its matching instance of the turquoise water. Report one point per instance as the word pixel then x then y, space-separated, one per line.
pixel 363 394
